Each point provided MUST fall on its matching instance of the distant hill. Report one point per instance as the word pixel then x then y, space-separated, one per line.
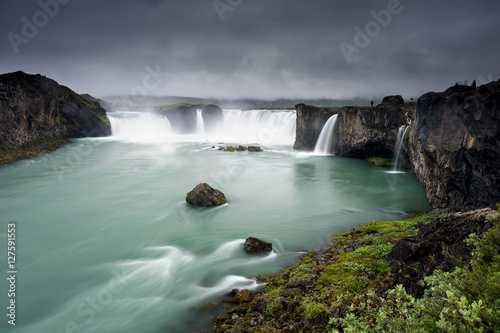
pixel 124 102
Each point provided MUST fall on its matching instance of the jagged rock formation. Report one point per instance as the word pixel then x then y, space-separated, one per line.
pixel 183 116
pixel 204 195
pixel 365 131
pixel 455 146
pixel 36 108
pixel 310 122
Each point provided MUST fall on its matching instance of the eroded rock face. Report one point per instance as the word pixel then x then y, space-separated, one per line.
pixel 36 107
pixel 257 245
pixel 365 131
pixel 204 195
pixel 310 122
pixel 455 146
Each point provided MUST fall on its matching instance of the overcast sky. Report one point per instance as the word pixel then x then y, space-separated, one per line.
pixel 253 48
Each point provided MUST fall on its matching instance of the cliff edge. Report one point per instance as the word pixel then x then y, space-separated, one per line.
pixel 37 114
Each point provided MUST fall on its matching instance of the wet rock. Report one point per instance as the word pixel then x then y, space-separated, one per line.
pixel 243 296
pixel 310 122
pixel 205 196
pixel 257 245
pixel 254 148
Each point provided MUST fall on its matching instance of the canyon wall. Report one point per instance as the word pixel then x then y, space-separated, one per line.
pixel 453 146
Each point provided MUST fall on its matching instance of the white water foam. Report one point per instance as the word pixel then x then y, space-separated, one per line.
pixel 324 143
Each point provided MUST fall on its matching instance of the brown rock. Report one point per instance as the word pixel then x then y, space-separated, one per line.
pixel 205 196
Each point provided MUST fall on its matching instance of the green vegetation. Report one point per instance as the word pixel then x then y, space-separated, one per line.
pixel 465 300
pixel 340 291
pixel 380 161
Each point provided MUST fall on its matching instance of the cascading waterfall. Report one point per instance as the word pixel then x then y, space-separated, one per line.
pixel 262 127
pixel 399 145
pixel 265 127
pixel 200 126
pixel 324 143
pixel 139 127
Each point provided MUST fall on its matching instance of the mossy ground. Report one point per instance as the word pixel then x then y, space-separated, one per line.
pixel 31 149
pixel 340 290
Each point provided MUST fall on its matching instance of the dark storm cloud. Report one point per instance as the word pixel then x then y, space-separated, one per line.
pixel 260 48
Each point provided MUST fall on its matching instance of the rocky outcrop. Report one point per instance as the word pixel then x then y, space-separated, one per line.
pixel 183 116
pixel 257 245
pixel 365 131
pixel 439 245
pixel 362 132
pixel 455 146
pixel 34 107
pixel 310 122
pixel 204 195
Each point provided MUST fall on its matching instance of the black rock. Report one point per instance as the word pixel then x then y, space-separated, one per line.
pixel 257 245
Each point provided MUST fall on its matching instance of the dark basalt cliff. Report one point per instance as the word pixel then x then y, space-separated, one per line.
pixel 36 108
pixel 367 131
pixel 310 122
pixel 183 116
pixel 455 146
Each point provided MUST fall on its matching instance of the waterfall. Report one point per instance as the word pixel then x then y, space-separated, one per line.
pixel 200 126
pixel 324 143
pixel 265 127
pixel 139 127
pixel 262 127
pixel 399 145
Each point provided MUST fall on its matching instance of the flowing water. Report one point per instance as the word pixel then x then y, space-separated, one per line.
pixel 324 143
pixel 106 242
pixel 399 145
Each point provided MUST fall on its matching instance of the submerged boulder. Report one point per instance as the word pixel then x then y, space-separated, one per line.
pixel 257 245
pixel 205 196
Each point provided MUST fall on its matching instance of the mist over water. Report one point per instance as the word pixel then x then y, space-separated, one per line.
pixel 106 242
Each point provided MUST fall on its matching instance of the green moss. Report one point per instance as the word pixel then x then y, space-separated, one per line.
pixel 380 161
pixel 313 310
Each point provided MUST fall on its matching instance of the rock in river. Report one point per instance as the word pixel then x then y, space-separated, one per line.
pixel 205 196
pixel 257 245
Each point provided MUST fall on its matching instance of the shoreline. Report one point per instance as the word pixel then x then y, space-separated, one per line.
pixel 31 149
pixel 361 266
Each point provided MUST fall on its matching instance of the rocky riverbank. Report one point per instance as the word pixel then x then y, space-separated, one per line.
pixel 369 279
